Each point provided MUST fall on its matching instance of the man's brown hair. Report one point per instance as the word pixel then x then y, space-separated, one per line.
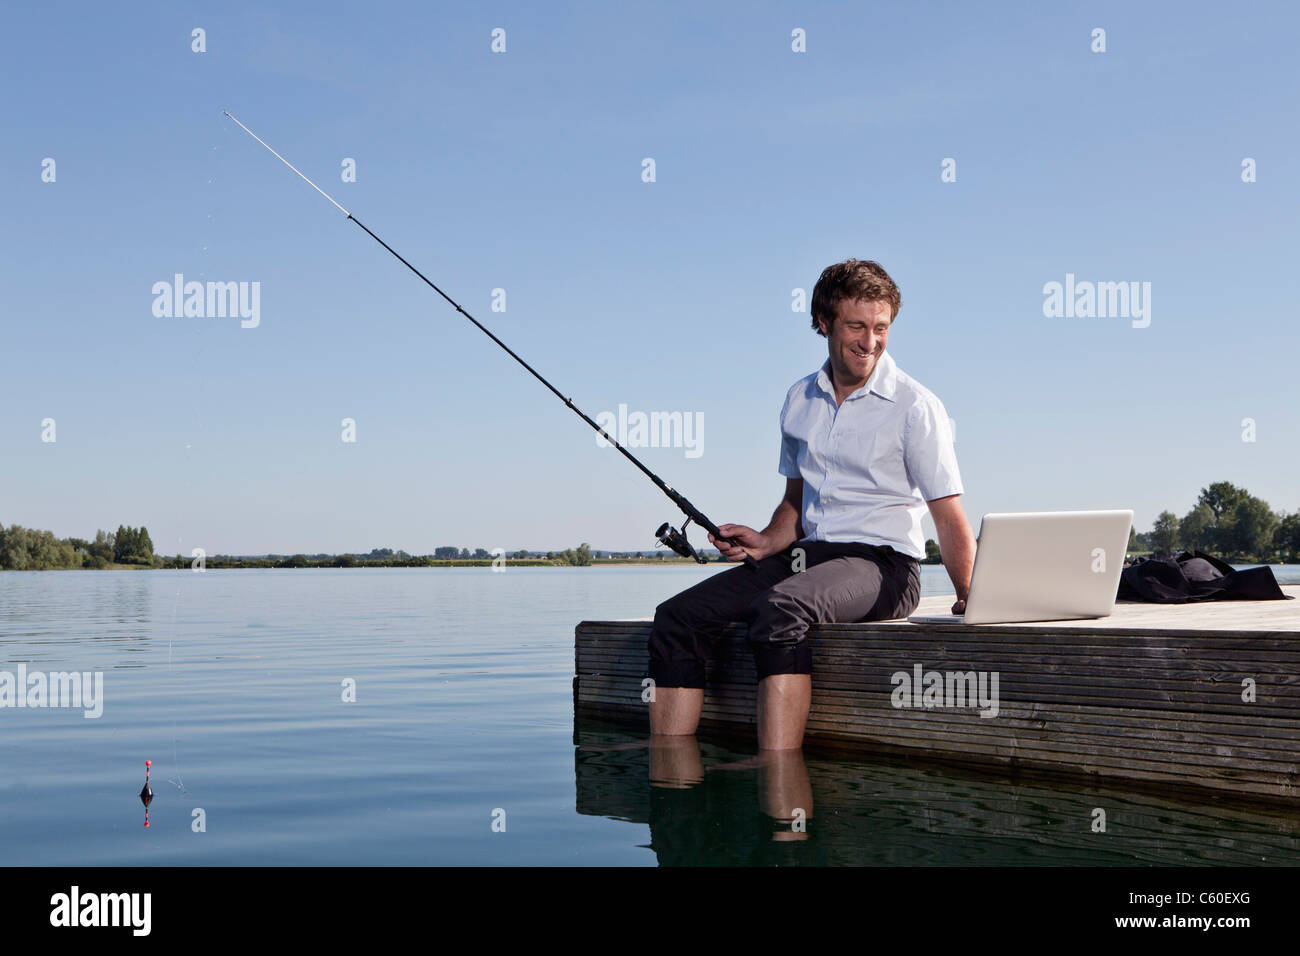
pixel 849 280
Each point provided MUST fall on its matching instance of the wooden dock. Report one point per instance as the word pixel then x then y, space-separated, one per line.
pixel 1200 698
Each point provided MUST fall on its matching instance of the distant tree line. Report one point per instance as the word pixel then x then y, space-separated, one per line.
pixel 581 557
pixel 1226 521
pixel 26 549
pixel 1229 523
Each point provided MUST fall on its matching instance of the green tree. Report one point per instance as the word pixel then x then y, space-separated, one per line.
pixel 932 555
pixel 26 549
pixel 1253 526
pixel 132 545
pixel 103 548
pixel 578 558
pixel 1222 498
pixel 1195 531
pixel 13 548
pixel 1165 534
pixel 123 543
pixel 1286 539
pixel 52 553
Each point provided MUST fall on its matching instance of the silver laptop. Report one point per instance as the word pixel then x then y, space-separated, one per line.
pixel 1044 566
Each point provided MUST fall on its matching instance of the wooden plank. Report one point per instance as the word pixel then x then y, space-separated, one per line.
pixel 1170 619
pixel 880 663
pixel 1062 734
pixel 1218 690
pixel 1033 674
pixel 1064 642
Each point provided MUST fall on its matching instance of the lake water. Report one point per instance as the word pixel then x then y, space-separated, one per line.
pixel 232 684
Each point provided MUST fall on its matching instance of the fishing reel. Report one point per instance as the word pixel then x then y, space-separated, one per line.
pixel 676 540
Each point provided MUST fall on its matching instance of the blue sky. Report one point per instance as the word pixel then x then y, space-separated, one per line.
pixel 522 171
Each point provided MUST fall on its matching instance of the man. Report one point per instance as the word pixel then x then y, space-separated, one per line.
pixel 865 448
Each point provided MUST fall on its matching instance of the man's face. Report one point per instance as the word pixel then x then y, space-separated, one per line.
pixel 857 339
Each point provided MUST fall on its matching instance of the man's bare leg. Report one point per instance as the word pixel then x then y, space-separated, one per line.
pixel 676 710
pixel 785 792
pixel 675 761
pixel 783 702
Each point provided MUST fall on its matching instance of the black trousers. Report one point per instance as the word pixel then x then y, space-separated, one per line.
pixel 841 583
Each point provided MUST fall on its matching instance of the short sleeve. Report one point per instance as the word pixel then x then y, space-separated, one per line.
pixel 928 451
pixel 789 465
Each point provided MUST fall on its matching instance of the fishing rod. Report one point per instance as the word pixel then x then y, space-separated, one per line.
pixel 666 534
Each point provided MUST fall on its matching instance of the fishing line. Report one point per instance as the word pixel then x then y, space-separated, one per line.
pixel 178 781
pixel 668 535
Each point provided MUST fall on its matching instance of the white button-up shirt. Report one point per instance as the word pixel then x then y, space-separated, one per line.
pixel 869 465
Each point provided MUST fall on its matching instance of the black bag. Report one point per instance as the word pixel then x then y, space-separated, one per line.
pixel 1195 577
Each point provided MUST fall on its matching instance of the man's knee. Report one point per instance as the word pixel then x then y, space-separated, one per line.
pixel 778 634
pixel 677 658
pixel 676 624
pixel 777 615
pixel 673 611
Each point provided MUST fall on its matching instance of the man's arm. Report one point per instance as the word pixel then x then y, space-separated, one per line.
pixel 956 544
pixel 781 532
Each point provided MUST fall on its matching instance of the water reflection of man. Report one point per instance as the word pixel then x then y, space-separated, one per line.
pixel 718 822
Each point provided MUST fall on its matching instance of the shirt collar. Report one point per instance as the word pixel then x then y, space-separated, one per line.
pixel 883 380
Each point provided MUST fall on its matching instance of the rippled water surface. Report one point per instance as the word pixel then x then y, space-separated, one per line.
pixel 232 683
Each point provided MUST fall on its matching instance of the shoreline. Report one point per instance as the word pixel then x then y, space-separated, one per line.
pixel 471 563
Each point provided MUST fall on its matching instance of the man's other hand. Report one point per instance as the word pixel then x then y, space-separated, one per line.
pixel 744 541
pixel 959 607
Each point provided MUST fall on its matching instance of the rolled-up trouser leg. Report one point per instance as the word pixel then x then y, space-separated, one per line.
pixel 687 624
pixel 848 583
